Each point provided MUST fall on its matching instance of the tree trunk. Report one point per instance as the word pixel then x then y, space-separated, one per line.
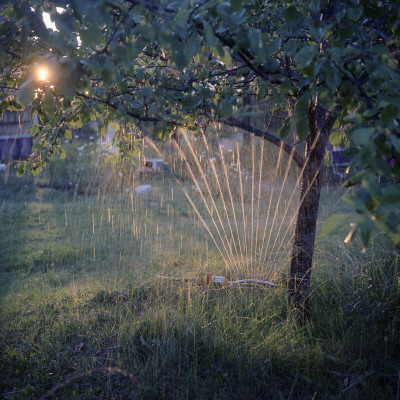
pixel 320 123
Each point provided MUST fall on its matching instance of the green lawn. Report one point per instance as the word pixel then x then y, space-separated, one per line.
pixel 85 315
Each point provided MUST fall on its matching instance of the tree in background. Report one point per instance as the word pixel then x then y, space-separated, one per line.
pixel 333 66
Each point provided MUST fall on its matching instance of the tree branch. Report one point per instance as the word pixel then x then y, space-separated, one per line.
pixel 291 151
pixel 11 53
pixel 113 106
pixel 114 33
pixel 132 114
pixel 357 83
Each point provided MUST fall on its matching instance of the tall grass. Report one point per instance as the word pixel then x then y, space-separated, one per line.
pixel 81 292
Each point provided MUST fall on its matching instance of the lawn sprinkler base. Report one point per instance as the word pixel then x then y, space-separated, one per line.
pixel 221 281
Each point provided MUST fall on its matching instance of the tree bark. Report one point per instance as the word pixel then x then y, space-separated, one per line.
pixel 320 123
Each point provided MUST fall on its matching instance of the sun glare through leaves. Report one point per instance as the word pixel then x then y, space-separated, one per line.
pixel 43 74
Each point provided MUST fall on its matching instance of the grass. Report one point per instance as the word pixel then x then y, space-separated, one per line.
pixel 84 314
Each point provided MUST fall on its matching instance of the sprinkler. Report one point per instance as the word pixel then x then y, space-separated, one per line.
pixel 220 281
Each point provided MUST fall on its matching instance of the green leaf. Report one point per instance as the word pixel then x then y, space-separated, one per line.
pixel 271 65
pixel 320 31
pixel 35 171
pixel 236 5
pixel 63 154
pixel 68 134
pixel 90 35
pixel 395 141
pixel 302 107
pixel 366 236
pixel 192 46
pixel 270 47
pixel 365 226
pixel 302 128
pixel 336 124
pixel 254 36
pixel 25 93
pixel 335 138
pixel 10 12
pixel 395 236
pixel 191 127
pixel 209 34
pixel 370 112
pixel 108 72
pixel 178 56
pixel 381 166
pixel 135 49
pixel 64 22
pixel 225 108
pixel 390 199
pixel 49 108
pixel 389 113
pixel 354 179
pixel 162 131
pixel 148 32
pixel 383 103
pixel 291 16
pixel 356 203
pixel 224 55
pixel 261 91
pixel 181 18
pixel 34 129
pixel 301 116
pixel 305 56
pixel 314 5
pixel 335 223
pixel 354 14
pixel 361 136
pixel 333 79
pixel 145 92
pixel 79 123
pixel 365 156
pixel 13 105
pixel 394 23
pixel 190 102
pixel 21 170
pixel 114 125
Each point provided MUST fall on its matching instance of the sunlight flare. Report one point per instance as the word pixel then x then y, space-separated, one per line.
pixel 43 73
